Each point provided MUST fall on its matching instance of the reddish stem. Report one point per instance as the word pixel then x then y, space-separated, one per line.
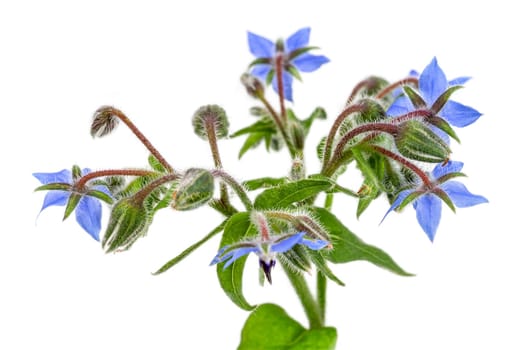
pixel 393 86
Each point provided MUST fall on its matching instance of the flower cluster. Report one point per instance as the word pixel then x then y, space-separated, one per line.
pixel 397 134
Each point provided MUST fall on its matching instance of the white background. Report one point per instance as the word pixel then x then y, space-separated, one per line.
pixel 160 61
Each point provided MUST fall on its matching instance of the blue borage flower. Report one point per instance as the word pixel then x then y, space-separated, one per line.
pixel 266 250
pixel 295 57
pixel 432 84
pixel 427 200
pixel 88 211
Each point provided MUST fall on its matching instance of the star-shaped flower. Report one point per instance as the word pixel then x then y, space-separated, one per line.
pixel 294 55
pixel 266 250
pixel 88 210
pixel 432 85
pixel 427 199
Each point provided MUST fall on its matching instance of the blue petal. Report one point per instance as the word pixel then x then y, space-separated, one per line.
pixel 399 199
pixel 239 252
pixel 432 82
pixel 287 84
pixel 218 258
pixel 260 46
pixel 63 176
pixel 298 39
pixel 458 81
pixel 309 63
pixel 401 105
pixel 314 245
pixel 459 194
pixel 459 115
pixel 287 243
pixel 428 213
pixel 260 71
pixel 89 214
pixel 55 198
pixel 452 166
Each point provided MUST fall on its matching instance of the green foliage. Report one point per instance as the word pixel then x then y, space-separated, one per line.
pixel 348 247
pixel 238 227
pixel 287 195
pixel 269 327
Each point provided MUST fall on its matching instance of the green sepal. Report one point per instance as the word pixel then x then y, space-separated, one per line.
pixel 269 327
pixel 76 173
pixel 409 199
pixel 263 182
pixel 449 176
pixel 320 262
pixel 365 200
pixel 445 198
pixel 261 60
pixel 283 196
pixel 54 187
pixel 72 203
pixel 270 76
pixel 190 249
pixel 237 228
pixel 443 98
pixel 444 126
pixel 348 247
pixel 100 195
pixel 294 72
pixel 416 100
pixel 300 51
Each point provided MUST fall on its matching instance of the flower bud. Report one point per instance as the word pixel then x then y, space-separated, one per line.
pixel 104 121
pixel 370 87
pixel 297 134
pixel 417 141
pixel 208 119
pixel 195 189
pixel 128 222
pixel 253 86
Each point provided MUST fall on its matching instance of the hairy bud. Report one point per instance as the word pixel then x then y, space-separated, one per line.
pixel 417 141
pixel 210 119
pixel 195 189
pixel 253 86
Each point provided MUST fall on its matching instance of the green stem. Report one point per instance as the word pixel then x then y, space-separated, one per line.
pixel 310 305
pixel 239 190
pixel 321 294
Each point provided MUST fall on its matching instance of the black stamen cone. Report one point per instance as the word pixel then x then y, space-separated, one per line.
pixel 267 268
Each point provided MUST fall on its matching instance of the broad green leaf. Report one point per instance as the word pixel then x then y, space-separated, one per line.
pixel 269 327
pixel 263 182
pixel 287 194
pixel 348 247
pixel 190 250
pixel 238 227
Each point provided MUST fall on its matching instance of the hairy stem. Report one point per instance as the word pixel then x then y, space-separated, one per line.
pixel 393 86
pixel 310 306
pixel 239 190
pixel 117 172
pixel 142 138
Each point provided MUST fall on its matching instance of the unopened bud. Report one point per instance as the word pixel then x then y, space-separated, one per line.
pixel 210 118
pixel 195 189
pixel 128 222
pixel 417 141
pixel 253 86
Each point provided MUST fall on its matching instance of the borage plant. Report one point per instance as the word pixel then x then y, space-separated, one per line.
pixel 398 135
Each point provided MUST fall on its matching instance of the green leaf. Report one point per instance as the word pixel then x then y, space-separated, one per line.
pixel 190 249
pixel 320 262
pixel 252 141
pixel 285 195
pixel 270 328
pixel 263 182
pixel 318 113
pixel 348 247
pixel 238 227
pixel 264 125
